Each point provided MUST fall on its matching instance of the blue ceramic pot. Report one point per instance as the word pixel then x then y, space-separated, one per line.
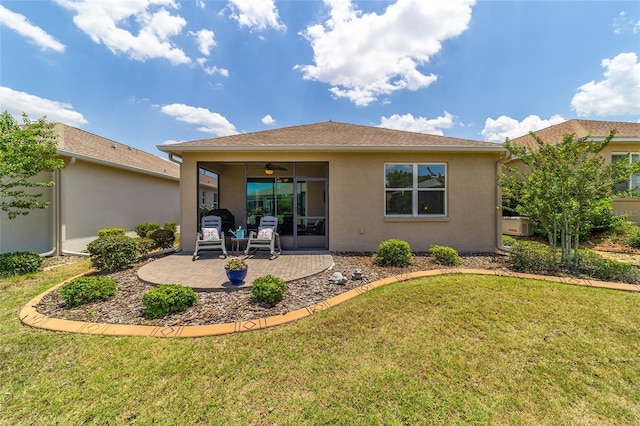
pixel 237 277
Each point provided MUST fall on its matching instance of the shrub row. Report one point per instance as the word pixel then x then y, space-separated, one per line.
pixel 533 257
pixel 19 263
pixel 87 289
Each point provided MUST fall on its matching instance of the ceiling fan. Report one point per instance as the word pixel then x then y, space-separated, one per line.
pixel 270 167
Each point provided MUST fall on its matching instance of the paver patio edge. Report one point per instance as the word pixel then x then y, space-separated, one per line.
pixel 30 317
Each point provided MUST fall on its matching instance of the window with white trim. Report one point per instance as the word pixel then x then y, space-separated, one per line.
pixel 632 185
pixel 415 189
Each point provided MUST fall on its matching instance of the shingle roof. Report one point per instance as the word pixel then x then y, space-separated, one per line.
pixel 582 128
pixel 332 136
pixel 74 142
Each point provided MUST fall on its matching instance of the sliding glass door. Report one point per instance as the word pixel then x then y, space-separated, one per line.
pixel 299 204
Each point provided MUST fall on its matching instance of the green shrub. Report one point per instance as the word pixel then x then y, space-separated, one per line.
pixel 268 289
pixel 145 245
pixel 445 255
pixel 393 252
pixel 633 237
pixel 113 252
pixel 168 298
pixel 533 257
pixel 111 231
pixel 87 289
pixel 603 269
pixel 171 226
pixel 508 240
pixel 143 229
pixel 19 263
pixel 162 238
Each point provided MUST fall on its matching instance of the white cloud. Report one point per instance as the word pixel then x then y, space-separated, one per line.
pixel 410 123
pixel 617 94
pixel 268 120
pixel 105 22
pixel 206 40
pixel 256 14
pixel 209 122
pixel 506 127
pixel 213 69
pixel 20 24
pixel 365 55
pixel 622 24
pixel 16 103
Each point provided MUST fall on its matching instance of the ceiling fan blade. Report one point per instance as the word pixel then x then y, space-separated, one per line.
pixel 271 166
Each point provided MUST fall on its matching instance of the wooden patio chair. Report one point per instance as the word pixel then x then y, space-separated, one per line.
pixel 210 236
pixel 266 238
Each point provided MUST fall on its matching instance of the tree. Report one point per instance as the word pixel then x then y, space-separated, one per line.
pixel 25 151
pixel 562 185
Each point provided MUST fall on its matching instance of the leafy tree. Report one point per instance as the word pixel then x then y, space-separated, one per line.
pixel 25 151
pixel 562 185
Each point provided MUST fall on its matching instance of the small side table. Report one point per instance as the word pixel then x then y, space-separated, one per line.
pixel 238 244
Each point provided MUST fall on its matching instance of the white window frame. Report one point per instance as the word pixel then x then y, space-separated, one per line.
pixel 416 190
pixel 629 155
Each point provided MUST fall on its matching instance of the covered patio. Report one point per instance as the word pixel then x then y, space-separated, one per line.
pixel 208 273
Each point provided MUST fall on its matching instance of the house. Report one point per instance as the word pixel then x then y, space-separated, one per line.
pixel 625 144
pixel 103 184
pixel 344 187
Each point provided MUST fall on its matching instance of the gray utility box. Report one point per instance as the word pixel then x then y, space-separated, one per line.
pixel 516 225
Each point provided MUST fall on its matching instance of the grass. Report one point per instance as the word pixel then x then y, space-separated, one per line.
pixel 443 350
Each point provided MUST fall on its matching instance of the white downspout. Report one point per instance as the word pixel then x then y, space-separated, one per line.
pixel 500 248
pixel 55 217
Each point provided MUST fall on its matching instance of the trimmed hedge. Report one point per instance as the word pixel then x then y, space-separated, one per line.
pixel 143 229
pixel 393 252
pixel 445 255
pixel 168 298
pixel 163 238
pixel 111 231
pixel 87 289
pixel 113 252
pixel 268 289
pixel 19 263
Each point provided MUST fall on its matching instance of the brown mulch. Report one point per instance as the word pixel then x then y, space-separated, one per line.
pixel 231 306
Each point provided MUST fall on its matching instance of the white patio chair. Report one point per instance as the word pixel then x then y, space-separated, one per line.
pixel 266 238
pixel 210 236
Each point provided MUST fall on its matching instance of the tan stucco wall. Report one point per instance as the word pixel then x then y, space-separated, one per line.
pixel 32 232
pixel 356 199
pixel 96 197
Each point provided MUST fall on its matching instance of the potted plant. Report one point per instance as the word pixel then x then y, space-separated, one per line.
pixel 236 269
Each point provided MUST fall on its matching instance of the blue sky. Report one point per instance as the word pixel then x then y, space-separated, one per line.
pixel 149 72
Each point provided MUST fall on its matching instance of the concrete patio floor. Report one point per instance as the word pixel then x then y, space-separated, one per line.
pixel 207 273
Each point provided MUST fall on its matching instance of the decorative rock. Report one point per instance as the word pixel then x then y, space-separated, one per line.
pixel 357 275
pixel 338 278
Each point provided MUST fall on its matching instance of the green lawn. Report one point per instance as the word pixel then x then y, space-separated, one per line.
pixel 444 350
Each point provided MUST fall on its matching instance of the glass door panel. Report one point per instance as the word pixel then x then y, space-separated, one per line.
pixel 311 214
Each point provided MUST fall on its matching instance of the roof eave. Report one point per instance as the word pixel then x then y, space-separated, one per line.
pixel 331 148
pixel 89 159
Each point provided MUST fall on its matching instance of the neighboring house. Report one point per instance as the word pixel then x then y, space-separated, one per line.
pixel 346 187
pixel 103 184
pixel 625 144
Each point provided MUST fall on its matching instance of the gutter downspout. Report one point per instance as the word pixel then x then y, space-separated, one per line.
pixel 172 158
pixel 55 225
pixel 499 247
